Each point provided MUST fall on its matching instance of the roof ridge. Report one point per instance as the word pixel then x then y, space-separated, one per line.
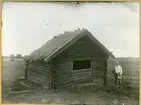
pixel 54 45
pixel 63 45
pixel 41 51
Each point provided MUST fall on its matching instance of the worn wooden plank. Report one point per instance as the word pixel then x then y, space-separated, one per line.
pixel 64 76
pixel 99 69
pixel 39 69
pixel 64 83
pixel 82 79
pixel 41 73
pixel 60 74
pixel 40 66
pixel 37 77
pixel 82 74
pixel 37 73
pixel 64 80
pixel 82 70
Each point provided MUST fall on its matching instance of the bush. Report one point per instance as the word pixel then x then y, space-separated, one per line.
pixel 12 60
pixel 18 56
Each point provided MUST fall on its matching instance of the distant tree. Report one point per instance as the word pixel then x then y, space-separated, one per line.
pixel 18 56
pixel 11 56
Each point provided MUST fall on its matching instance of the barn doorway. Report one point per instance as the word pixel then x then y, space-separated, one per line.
pixel 82 71
pixel 81 64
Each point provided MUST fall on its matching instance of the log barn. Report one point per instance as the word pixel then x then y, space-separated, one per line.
pixel 75 57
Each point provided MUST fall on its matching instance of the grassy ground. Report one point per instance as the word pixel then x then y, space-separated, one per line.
pixel 11 72
pixel 92 94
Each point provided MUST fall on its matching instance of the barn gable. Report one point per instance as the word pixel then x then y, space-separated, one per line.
pixel 83 62
pixel 61 42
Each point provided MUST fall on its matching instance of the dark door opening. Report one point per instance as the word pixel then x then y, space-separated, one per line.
pixel 81 64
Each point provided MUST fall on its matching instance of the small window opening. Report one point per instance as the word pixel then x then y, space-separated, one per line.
pixel 81 64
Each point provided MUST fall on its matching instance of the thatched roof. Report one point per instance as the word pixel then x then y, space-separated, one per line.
pixel 59 43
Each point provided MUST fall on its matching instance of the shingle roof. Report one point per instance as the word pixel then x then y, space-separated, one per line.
pixel 53 46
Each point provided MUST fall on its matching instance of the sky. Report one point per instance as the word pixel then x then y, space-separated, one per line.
pixel 27 25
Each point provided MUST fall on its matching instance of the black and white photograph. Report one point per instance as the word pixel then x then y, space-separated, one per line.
pixel 70 53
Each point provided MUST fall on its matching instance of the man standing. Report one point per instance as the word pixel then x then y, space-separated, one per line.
pixel 118 74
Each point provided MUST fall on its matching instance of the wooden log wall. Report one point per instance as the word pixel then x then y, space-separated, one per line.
pixel 82 75
pixel 105 72
pixel 53 75
pixel 40 72
pixel 63 71
pixel 98 69
pixel 65 74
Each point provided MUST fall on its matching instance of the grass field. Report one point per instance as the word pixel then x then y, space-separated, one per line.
pixel 92 94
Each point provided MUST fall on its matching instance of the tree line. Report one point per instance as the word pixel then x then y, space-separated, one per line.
pixel 15 56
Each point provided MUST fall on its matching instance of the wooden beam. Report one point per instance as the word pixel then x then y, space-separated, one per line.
pixel 26 68
pixel 105 72
pixel 53 75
